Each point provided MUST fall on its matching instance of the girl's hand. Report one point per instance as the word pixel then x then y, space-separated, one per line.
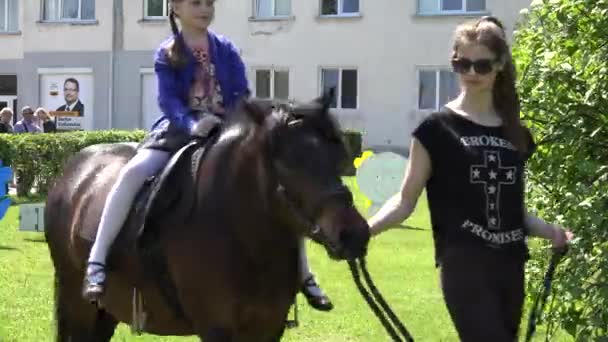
pixel 561 237
pixel 204 126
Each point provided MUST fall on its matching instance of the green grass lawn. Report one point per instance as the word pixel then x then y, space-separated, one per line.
pixel 400 261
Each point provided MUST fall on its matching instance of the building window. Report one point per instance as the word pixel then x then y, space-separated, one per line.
pixel 9 16
pixel 436 88
pixel 345 81
pixel 339 7
pixel 69 10
pixel 272 84
pixel 156 8
pixel 451 6
pixel 272 8
pixel 149 105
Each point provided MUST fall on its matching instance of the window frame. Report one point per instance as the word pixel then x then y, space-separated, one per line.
pixel 6 29
pixel 66 20
pixel 256 15
pixel 340 11
pixel 272 70
pixel 339 87
pixel 440 11
pixel 156 17
pixel 437 70
pixel 143 72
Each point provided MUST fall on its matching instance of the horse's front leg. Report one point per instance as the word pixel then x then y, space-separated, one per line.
pixel 217 335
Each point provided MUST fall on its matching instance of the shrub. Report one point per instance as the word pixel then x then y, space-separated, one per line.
pixel 561 52
pixel 38 158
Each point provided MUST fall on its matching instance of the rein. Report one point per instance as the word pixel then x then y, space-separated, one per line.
pixel 536 312
pixel 315 232
pixel 378 297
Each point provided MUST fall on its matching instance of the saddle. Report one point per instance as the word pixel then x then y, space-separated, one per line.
pixel 155 197
pixel 153 194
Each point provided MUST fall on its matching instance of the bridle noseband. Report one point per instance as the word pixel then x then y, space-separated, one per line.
pixel 308 220
pixel 336 192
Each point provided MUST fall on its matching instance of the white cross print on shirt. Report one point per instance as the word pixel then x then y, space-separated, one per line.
pixel 492 175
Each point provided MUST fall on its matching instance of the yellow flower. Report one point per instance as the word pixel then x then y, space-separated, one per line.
pixel 358 162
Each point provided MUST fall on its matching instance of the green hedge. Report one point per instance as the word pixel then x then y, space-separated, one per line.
pixel 39 157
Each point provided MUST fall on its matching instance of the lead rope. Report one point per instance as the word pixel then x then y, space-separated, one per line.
pixel 536 312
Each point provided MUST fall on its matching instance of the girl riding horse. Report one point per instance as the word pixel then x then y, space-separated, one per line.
pixel 201 77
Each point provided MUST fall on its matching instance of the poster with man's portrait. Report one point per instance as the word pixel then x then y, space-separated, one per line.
pixel 68 96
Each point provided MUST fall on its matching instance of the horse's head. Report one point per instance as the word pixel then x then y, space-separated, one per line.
pixel 307 155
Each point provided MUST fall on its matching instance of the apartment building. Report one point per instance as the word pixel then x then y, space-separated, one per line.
pixel 387 58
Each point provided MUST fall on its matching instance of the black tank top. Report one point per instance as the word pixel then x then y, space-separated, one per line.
pixel 476 189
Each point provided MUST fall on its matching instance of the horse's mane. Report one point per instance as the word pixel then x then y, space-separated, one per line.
pixel 269 115
pixel 253 128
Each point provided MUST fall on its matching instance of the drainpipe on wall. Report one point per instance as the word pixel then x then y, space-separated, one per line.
pixel 117 44
pixel 111 88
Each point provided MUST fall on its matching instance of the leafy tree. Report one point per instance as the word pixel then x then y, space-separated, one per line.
pixel 561 54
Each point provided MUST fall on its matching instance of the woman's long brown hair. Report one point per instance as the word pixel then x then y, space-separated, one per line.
pixel 489 31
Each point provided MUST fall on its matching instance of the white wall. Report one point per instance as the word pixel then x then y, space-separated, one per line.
pixel 12 46
pixel 44 36
pixel 12 43
pixel 142 34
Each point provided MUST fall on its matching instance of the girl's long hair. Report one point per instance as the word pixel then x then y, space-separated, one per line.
pixel 177 51
pixel 489 31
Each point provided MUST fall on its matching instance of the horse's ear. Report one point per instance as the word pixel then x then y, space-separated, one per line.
pixel 326 99
pixel 253 111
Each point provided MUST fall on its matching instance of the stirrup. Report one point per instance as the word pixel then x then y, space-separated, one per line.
pixel 93 288
pixel 319 302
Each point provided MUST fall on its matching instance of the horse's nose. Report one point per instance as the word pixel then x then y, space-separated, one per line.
pixel 354 241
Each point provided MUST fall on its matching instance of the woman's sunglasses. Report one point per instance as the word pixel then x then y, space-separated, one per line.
pixel 482 66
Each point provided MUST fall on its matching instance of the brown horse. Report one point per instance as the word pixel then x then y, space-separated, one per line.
pixel 218 254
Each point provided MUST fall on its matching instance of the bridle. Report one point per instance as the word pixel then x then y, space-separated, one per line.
pixel 335 192
pixel 308 218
